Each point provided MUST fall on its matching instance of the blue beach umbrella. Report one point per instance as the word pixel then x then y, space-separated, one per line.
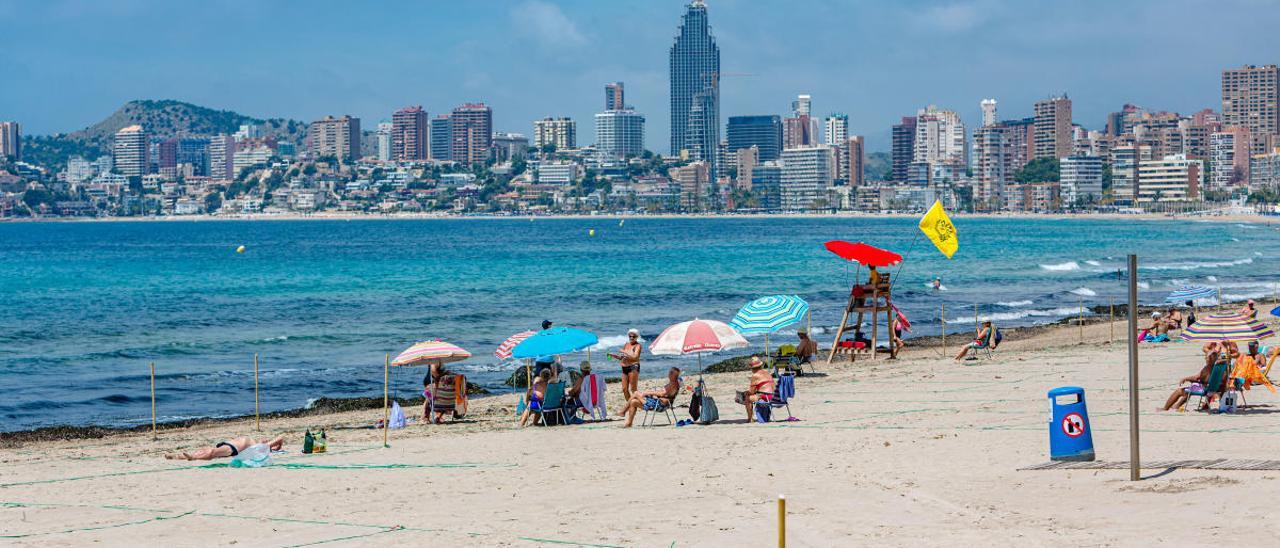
pixel 557 340
pixel 769 314
pixel 1190 293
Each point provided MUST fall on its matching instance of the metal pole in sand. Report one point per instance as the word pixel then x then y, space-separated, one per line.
pixel 1081 321
pixel 257 403
pixel 386 401
pixel 943 315
pixel 153 400
pixel 782 521
pixel 1135 465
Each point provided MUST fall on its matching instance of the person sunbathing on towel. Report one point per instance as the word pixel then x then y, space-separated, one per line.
pixel 761 388
pixel 653 398
pixel 226 449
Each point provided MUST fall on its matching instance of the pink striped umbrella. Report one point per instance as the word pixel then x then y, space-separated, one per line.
pixel 697 336
pixel 430 353
pixel 504 350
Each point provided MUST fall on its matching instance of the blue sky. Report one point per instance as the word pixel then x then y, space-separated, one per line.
pixel 69 63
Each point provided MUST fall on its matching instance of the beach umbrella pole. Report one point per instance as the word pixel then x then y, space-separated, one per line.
pixel 386 402
pixel 153 400
pixel 257 405
pixel 1135 466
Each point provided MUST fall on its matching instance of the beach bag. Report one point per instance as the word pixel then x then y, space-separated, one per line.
pixel 1229 402
pixel 999 337
pixel 763 411
pixel 708 412
pixel 254 456
pixel 397 416
pixel 695 403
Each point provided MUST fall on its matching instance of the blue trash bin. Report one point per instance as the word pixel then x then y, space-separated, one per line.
pixel 1070 434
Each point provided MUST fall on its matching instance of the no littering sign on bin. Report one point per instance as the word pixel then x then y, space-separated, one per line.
pixel 1069 436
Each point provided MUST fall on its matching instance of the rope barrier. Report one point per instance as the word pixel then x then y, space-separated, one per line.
pixel 287 465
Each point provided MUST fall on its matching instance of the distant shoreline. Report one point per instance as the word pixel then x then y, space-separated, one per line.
pixel 337 216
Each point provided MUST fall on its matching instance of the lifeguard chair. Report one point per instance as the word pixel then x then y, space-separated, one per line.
pixel 873 297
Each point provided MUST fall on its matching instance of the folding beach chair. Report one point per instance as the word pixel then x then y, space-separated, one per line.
pixel 651 412
pixel 992 343
pixel 785 387
pixel 1217 377
pixel 592 397
pixel 553 403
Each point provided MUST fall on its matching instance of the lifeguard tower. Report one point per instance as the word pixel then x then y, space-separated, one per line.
pixel 870 298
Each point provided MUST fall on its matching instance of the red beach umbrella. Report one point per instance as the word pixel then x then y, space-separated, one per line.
pixel 863 254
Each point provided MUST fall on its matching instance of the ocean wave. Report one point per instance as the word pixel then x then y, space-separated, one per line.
pixel 1061 267
pixel 1060 312
pixel 1093 263
pixel 1083 292
pixel 929 285
pixel 611 342
pixel 1197 265
pixel 1013 304
pixel 1144 285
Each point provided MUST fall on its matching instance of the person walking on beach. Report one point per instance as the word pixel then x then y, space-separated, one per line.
pixel 629 357
pixel 226 449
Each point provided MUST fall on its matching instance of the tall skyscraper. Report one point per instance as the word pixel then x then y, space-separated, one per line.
pixel 989 149
pixel 10 141
pixel 940 137
pixel 1229 150
pixel 614 98
pixel 807 172
pixel 989 117
pixel 836 130
pixel 222 150
pixel 561 132
pixel 695 87
pixel 1251 100
pixel 384 141
pixel 471 133
pixel 441 135
pixel 1081 179
pixel 856 150
pixel 1053 128
pixel 409 134
pixel 764 132
pixel 337 137
pixel 131 151
pixel 619 133
pixel 801 129
pixel 904 145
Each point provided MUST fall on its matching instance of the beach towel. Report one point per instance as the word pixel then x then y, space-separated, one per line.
pixel 450 395
pixel 592 396
pixel 1247 369
pixel 786 387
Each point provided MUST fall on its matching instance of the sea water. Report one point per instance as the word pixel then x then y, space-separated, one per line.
pixel 86 306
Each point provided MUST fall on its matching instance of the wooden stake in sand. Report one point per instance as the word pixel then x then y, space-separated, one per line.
pixel 153 400
pixel 1081 321
pixel 386 401
pixel 943 315
pixel 1111 317
pixel 782 521
pixel 1135 466
pixel 257 406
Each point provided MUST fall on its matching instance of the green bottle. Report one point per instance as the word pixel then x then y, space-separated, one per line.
pixel 324 442
pixel 308 443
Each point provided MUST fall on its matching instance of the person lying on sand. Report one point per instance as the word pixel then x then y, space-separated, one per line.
pixel 653 398
pixel 226 449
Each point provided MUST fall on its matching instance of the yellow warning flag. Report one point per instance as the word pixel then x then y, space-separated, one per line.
pixel 937 226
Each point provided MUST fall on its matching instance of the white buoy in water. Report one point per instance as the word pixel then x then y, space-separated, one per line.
pixel 240 249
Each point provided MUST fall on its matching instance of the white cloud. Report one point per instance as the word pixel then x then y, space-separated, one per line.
pixel 547 24
pixel 957 16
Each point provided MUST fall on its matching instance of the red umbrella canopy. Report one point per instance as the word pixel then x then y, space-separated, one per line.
pixel 863 254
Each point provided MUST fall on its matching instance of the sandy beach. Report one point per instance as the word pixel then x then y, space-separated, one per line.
pixel 921 451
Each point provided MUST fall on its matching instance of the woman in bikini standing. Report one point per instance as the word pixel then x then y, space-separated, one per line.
pixel 629 357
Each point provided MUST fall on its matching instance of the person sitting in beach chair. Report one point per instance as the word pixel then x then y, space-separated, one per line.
pixel 227 449
pixel 1196 383
pixel 659 401
pixel 984 341
pixel 805 350
pixel 760 389
pixel 448 395
pixel 534 396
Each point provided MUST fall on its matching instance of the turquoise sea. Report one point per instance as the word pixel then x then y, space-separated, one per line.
pixel 86 306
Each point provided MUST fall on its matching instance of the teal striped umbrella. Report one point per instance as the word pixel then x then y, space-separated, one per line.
pixel 769 314
pixel 1189 293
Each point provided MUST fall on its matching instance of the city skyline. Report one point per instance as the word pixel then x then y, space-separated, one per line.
pixel 67 54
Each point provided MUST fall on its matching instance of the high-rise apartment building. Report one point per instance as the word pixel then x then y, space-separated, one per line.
pixel 855 149
pixel 222 150
pixel 10 141
pixel 337 137
pixel 1081 178
pixel 807 172
pixel 904 145
pixel 747 159
pixel 619 133
pixel 989 166
pixel 836 129
pixel 561 132
pixel 614 98
pixel 695 87
pixel 441 134
pixel 131 151
pixel 940 137
pixel 1251 100
pixel 410 135
pixel 1053 135
pixel 1173 178
pixel 471 133
pixel 385 130
pixel 1229 152
pixel 764 132
pixel 989 117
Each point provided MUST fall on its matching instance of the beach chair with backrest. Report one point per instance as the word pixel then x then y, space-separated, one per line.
pixel 992 343
pixel 1217 377
pixel 592 397
pixel 667 410
pixel 450 395
pixel 785 389
pixel 553 404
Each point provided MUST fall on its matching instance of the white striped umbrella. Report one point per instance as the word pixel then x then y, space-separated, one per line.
pixel 1189 293
pixel 769 314
pixel 697 336
pixel 504 350
pixel 431 353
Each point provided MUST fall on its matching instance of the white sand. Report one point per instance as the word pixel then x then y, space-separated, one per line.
pixel 915 452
